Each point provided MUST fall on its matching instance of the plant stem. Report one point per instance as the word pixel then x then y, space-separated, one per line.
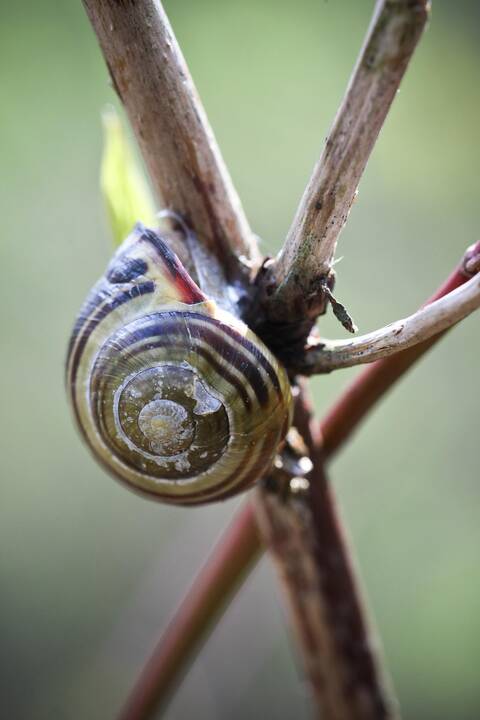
pixel 430 321
pixel 210 593
pixel 294 280
pixel 203 602
pixel 377 379
pixel 303 531
pixel 151 78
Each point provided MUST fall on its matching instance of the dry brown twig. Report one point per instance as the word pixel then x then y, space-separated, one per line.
pixel 294 280
pixel 326 355
pixel 152 80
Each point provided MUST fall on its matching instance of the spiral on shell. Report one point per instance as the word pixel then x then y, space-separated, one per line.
pixel 174 396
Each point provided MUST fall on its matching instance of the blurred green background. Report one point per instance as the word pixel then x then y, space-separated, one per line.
pixel 90 572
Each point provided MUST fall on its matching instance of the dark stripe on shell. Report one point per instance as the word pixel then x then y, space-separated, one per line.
pixel 125 269
pixel 122 298
pixel 100 372
pixel 229 353
pixel 222 490
pixel 206 495
pixel 257 380
pixel 189 291
pixel 96 297
pixel 258 355
pixel 167 325
pixel 242 363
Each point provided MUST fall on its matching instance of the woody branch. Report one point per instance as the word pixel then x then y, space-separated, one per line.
pixel 328 355
pixel 303 531
pixel 151 78
pixel 293 283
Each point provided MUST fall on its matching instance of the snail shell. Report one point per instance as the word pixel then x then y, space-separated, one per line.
pixel 174 396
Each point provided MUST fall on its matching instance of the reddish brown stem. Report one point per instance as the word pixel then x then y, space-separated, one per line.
pixel 209 595
pixel 241 545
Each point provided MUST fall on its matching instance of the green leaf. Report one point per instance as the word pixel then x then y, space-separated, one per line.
pixel 127 196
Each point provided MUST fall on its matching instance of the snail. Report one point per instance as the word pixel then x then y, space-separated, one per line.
pixel 174 395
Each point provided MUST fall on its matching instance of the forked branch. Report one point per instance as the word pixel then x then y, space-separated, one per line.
pixel 178 646
pixel 294 280
pixel 431 320
pixel 151 78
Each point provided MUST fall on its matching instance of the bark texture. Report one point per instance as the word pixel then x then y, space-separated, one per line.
pixel 152 80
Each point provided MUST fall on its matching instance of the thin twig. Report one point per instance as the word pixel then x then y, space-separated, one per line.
pixel 301 527
pixel 328 355
pixel 294 280
pixel 191 624
pixel 212 590
pixel 373 383
pixel 151 77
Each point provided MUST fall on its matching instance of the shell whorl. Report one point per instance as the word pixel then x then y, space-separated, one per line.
pixel 177 398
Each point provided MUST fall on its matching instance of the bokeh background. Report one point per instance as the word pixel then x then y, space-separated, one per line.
pixel 90 572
